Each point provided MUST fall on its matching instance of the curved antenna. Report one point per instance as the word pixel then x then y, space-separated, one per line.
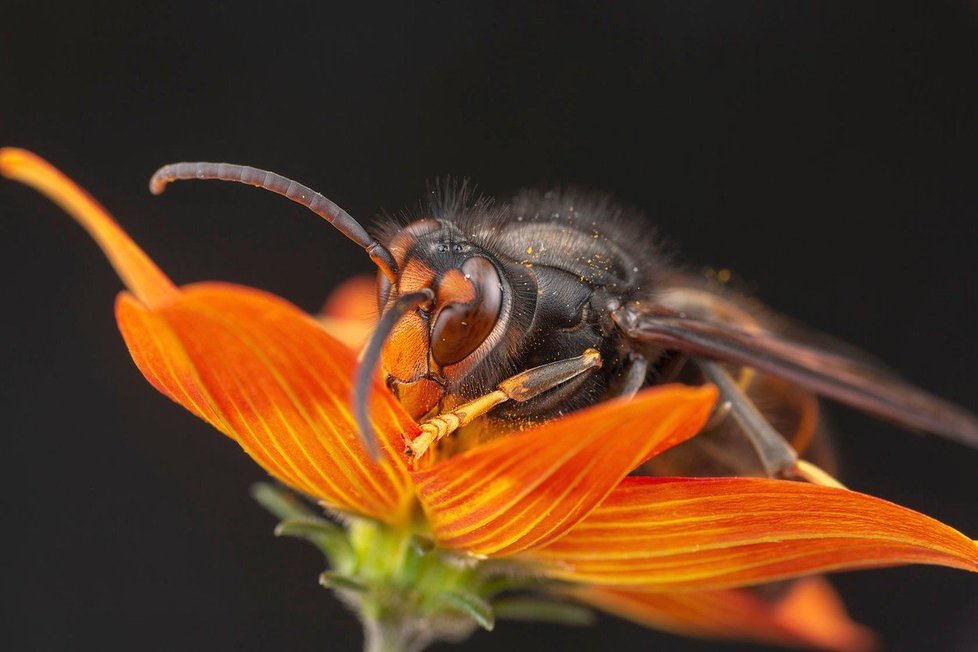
pixel 288 188
pixel 371 358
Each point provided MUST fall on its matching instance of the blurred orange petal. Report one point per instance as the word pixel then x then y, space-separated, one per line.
pixel 814 609
pixel 529 488
pixel 253 365
pixel 350 311
pixel 698 534
pixel 737 614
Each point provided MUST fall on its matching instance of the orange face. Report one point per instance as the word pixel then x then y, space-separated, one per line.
pixel 437 344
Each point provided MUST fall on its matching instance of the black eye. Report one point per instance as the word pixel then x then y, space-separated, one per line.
pixel 469 306
pixel 457 248
pixel 442 248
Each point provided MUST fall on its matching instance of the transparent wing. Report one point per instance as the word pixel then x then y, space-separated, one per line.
pixel 842 378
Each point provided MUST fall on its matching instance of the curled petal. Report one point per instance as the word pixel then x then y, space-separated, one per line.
pixel 134 267
pixel 528 489
pixel 698 534
pixel 253 365
pixel 809 615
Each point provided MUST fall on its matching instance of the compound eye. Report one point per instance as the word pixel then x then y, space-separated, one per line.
pixel 469 303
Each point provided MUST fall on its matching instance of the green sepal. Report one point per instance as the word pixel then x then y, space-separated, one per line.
pixel 304 527
pixel 473 606
pixel 496 583
pixel 298 520
pixel 542 610
pixel 333 580
pixel 328 537
pixel 280 502
pixel 409 592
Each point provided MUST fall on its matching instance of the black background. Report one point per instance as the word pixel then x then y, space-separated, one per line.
pixel 825 153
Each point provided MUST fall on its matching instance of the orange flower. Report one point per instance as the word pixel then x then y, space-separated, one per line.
pixel 555 499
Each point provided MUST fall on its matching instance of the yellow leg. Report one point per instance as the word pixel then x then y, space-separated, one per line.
pixel 521 387
pixel 816 475
pixel 445 424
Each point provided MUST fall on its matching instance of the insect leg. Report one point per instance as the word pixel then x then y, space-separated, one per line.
pixel 521 387
pixel 638 368
pixel 777 456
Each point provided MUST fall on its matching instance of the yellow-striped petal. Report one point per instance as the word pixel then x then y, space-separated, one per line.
pixel 530 488
pixel 253 365
pixel 264 373
pixel 699 534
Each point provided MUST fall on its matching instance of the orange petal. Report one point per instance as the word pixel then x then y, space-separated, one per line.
pixel 527 489
pixel 814 610
pixel 683 534
pixel 264 373
pixel 810 615
pixel 253 365
pixel 134 267
pixel 350 311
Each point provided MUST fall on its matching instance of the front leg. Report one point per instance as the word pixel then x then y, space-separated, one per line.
pixel 521 387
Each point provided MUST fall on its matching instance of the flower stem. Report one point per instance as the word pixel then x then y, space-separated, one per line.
pixel 392 636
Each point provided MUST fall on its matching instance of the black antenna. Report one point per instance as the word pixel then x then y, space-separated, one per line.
pixel 293 190
pixel 371 357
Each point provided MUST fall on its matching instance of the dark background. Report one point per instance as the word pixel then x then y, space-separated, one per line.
pixel 825 153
